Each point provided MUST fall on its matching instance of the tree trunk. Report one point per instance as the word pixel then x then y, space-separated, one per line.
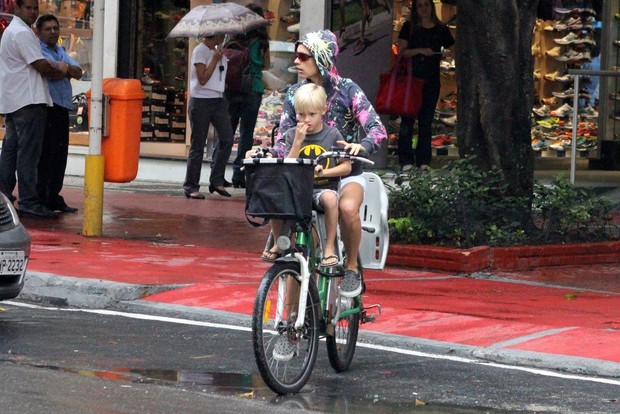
pixel 496 87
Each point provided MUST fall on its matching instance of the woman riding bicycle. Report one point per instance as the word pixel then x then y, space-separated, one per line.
pixel 350 111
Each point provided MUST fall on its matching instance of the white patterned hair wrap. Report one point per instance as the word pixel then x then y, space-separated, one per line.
pixel 323 46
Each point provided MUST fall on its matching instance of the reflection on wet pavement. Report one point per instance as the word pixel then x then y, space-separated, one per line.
pixel 251 386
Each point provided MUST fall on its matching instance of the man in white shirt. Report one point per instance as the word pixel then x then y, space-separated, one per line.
pixel 23 102
pixel 207 106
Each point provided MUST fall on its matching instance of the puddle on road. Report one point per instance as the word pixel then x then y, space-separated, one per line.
pixel 253 387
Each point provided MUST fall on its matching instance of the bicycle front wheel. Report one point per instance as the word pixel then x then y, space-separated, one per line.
pixel 285 356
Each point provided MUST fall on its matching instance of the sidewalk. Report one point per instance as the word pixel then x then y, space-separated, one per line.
pixel 183 252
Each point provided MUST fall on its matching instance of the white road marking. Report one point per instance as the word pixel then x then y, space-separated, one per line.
pixel 535 371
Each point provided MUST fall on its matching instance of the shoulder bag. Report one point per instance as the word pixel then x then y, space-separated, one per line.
pixel 400 93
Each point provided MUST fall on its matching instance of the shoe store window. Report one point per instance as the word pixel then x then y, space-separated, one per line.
pixel 163 66
pixel 76 36
pixel 567 36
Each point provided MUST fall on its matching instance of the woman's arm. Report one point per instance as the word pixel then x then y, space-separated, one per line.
pixel 369 120
pixel 407 53
pixel 204 72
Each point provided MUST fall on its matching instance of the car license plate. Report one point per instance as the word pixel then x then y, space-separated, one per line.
pixel 12 262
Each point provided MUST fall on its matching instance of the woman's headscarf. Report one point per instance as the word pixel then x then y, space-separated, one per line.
pixel 323 45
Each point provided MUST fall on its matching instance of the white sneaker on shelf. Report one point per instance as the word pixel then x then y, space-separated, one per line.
pixel 562 111
pixel 589 112
pixel 542 111
pixel 564 94
pixel 570 38
pixel 565 78
pixel 560 145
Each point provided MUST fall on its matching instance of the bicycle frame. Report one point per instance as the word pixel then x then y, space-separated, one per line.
pixel 328 294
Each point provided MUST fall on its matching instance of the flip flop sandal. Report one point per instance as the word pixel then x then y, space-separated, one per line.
pixel 331 260
pixel 270 257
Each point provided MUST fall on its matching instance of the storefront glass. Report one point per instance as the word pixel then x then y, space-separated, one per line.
pixel 163 64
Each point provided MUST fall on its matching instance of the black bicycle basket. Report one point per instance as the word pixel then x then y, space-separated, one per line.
pixel 278 188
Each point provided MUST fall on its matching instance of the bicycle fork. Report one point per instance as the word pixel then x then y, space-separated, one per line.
pixel 303 294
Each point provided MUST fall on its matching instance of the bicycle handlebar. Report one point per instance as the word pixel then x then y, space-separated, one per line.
pixel 341 153
pixel 334 153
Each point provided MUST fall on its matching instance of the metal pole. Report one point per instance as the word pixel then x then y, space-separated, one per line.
pixel 93 174
pixel 573 144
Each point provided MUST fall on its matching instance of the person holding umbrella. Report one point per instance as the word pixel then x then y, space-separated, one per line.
pixel 207 105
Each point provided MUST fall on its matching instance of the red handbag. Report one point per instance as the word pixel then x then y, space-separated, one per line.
pixel 400 93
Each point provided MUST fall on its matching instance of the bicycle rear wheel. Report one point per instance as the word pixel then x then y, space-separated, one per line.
pixel 273 321
pixel 341 345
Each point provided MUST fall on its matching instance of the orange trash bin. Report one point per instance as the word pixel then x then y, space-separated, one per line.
pixel 121 146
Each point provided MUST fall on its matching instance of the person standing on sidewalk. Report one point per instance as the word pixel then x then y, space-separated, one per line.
pixel 53 161
pixel 207 105
pixel 421 39
pixel 23 101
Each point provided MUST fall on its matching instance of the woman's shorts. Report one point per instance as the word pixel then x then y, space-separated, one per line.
pixel 353 179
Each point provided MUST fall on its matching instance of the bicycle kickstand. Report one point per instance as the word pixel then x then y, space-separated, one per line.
pixel 370 318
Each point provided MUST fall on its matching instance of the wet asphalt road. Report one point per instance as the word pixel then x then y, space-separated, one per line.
pixel 75 361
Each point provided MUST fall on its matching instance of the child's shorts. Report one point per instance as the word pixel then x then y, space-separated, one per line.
pixel 316 198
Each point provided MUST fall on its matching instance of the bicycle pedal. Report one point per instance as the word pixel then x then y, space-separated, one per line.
pixel 331 271
pixel 370 318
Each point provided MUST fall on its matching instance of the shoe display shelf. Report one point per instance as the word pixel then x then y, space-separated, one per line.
pixel 559 45
pixel 164 112
pixel 164 62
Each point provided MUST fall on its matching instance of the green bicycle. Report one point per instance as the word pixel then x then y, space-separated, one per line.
pixel 298 301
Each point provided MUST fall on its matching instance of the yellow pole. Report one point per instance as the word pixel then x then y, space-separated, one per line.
pixel 93 196
pixel 93 171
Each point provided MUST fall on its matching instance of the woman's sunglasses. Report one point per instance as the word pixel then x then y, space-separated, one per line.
pixel 303 57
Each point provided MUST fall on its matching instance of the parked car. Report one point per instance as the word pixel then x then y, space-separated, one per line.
pixel 14 250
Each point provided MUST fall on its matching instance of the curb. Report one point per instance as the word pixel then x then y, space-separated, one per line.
pixel 66 291
pixel 485 258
